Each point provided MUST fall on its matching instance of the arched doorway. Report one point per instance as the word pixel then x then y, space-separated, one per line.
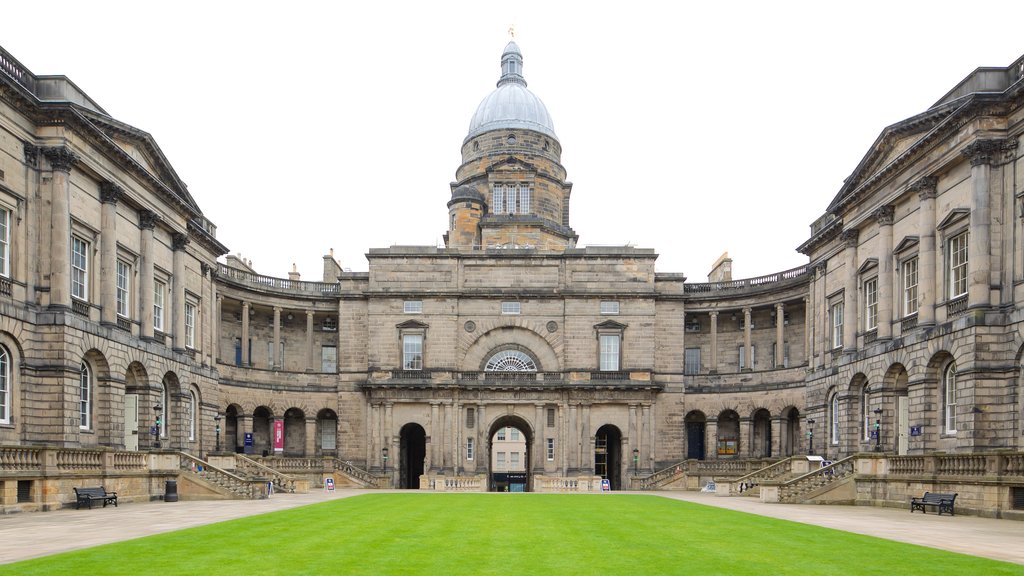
pixel 261 427
pixel 608 455
pixel 696 424
pixel 762 441
pixel 294 432
pixel 791 432
pixel 728 434
pixel 413 451
pixel 231 442
pixel 509 450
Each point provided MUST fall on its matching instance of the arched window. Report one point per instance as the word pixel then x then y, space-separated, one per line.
pixel 192 404
pixel 834 418
pixel 5 386
pixel 864 413
pixel 164 401
pixel 510 361
pixel 949 397
pixel 85 398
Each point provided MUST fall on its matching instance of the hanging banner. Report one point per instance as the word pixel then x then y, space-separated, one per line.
pixel 278 435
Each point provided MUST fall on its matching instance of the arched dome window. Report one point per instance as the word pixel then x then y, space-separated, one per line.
pixel 510 361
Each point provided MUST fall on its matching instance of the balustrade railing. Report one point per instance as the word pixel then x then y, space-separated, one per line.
pixel 567 484
pixel 18 459
pixel 356 472
pixel 702 287
pixel 463 484
pixel 243 487
pixel 801 486
pixel 124 461
pixel 908 465
pixel 259 280
pixel 282 482
pixel 956 307
pixel 18 72
pixel 961 465
pixel 770 472
pixel 662 476
pixel 78 460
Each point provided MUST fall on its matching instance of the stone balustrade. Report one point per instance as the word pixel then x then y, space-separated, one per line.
pixel 567 483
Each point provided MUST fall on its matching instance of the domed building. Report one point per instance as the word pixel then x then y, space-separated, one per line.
pixel 511 358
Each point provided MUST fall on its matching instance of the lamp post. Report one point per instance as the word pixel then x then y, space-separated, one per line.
pixel 878 429
pixel 156 431
pixel 216 419
pixel 810 436
pixel 636 461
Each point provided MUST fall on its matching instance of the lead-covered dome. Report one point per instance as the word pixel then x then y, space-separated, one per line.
pixel 511 105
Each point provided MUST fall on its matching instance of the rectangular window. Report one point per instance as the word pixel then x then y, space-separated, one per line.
pixel 785 355
pixel 498 199
pixel 837 325
pixel 501 460
pixel 412 352
pixel 551 417
pixel 871 304
pixel 609 307
pixel 79 268
pixel 501 435
pixel 5 242
pixel 470 417
pixel 910 287
pixel 190 325
pixel 413 307
pixel 691 361
pixel 123 288
pixel 159 289
pixel 958 265
pixel 510 307
pixel 469 448
pixel 515 460
pixel 329 359
pixel 743 357
pixel 510 198
pixel 551 449
pixel 514 434
pixel 609 352
pixel 328 435
pixel 524 199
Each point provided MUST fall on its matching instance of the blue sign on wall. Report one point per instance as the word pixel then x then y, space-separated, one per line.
pixel 915 430
pixel 248 439
pixel 874 434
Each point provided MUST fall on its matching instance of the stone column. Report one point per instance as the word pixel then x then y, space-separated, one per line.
pixel 633 428
pixel 388 431
pixel 982 153
pixel 28 266
pixel 435 435
pixel 62 160
pixel 573 447
pixel 780 343
pixel 245 424
pixel 311 440
pixel 446 437
pixel 539 457
pixel 714 342
pixel 775 429
pixel 245 334
pixel 587 440
pixel 711 441
pixel 929 262
pixel 373 455
pixel 275 357
pixel 147 222
pixel 310 357
pixel 178 243
pixel 850 316
pixel 216 327
pixel 746 438
pixel 822 314
pixel 481 460
pixel 110 193
pixel 748 358
pixel 649 454
pixel 885 217
pixel 808 330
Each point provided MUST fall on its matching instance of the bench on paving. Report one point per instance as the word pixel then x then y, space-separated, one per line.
pixel 90 495
pixel 943 502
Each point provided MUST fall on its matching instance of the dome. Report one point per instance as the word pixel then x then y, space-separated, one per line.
pixel 466 192
pixel 511 105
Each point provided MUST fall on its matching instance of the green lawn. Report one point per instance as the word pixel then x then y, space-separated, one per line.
pixel 516 534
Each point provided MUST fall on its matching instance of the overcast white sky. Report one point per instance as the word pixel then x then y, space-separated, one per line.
pixel 688 128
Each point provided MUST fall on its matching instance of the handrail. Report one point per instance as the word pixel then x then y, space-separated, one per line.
pixel 17 71
pixel 235 484
pixel 282 481
pixel 702 287
pixel 355 472
pixel 769 472
pixel 251 278
pixel 658 477
pixel 791 490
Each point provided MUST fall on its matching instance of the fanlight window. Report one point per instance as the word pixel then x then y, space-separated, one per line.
pixel 510 361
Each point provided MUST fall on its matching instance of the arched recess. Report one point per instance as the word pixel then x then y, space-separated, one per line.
pixel 499 477
pixel 728 442
pixel 790 440
pixel 608 462
pixel 233 440
pixel 860 401
pixel 896 398
pixel 294 432
pixel 136 383
pixel 412 453
pixel 696 435
pixel 262 430
pixel 99 426
pixel 511 358
pixel 935 435
pixel 10 389
pixel 511 337
pixel 172 424
pixel 326 432
pixel 761 441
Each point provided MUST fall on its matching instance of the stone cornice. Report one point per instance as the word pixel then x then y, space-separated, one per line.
pixel 205 239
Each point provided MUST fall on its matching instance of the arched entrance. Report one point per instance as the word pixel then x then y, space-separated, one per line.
pixel 791 436
pixel 261 427
pixel 509 450
pixel 695 434
pixel 728 434
pixel 231 442
pixel 608 455
pixel 413 451
pixel 762 442
pixel 294 432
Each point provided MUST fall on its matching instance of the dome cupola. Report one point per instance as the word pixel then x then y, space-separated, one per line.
pixel 511 104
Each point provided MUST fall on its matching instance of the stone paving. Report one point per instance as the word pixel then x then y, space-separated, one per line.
pixel 30 535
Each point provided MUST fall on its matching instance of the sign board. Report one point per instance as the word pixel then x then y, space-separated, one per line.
pixel 874 434
pixel 329 484
pixel 915 430
pixel 606 485
pixel 278 435
pixel 152 430
pixel 248 449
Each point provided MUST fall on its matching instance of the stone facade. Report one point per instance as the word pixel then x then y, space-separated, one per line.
pixel 113 302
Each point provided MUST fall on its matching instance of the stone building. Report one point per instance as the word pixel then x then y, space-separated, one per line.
pixel 121 329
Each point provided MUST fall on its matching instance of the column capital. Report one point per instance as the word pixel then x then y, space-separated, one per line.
pixel 220 297
pixel 148 219
pixel 925 187
pixel 309 313
pixel 31 152
pixel 984 152
pixel 850 237
pixel 747 310
pixel 179 241
pixel 204 268
pixel 277 309
pixel 110 193
pixel 780 306
pixel 61 158
pixel 885 215
pixel 713 313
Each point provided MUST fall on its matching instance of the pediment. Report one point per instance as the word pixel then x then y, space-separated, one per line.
pixel 511 164
pixel 411 325
pixel 955 215
pixel 137 155
pixel 868 265
pixel 610 325
pixel 908 243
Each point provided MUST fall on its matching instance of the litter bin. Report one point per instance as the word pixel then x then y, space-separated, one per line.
pixel 171 491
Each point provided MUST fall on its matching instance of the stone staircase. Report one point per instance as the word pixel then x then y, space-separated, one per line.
pixel 357 474
pixel 253 469
pixel 819 483
pixel 750 484
pixel 220 481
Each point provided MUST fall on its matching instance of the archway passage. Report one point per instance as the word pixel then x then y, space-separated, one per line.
pixel 695 433
pixel 413 451
pixel 791 438
pixel 231 442
pixel 728 444
pixel 294 432
pixel 509 451
pixel 608 455
pixel 262 424
pixel 762 442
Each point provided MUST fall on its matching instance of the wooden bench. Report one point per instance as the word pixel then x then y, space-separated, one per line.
pixel 944 502
pixel 91 495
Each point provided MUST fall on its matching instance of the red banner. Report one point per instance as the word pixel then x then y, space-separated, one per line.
pixel 278 435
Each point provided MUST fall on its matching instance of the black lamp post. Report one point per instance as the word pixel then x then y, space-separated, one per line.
pixel 636 461
pixel 216 419
pixel 878 429
pixel 156 431
pixel 384 455
pixel 810 436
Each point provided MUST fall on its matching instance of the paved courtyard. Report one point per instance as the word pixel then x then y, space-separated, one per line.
pixel 30 535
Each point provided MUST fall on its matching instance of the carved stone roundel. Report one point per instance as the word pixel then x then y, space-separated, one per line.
pixel 552 326
pixel 469 326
